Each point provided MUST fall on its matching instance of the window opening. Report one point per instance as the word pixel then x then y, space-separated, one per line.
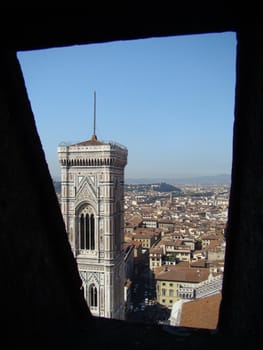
pixel 151 101
pixel 93 296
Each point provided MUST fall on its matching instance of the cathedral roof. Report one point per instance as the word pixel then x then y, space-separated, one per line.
pixel 92 142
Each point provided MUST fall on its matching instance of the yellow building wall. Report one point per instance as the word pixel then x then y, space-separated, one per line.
pixel 166 293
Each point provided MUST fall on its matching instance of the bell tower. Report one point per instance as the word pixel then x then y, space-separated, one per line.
pixel 92 194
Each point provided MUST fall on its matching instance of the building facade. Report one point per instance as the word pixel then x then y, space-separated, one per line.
pixel 92 204
pixel 174 283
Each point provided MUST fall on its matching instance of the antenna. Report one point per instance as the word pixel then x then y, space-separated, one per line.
pixel 94 125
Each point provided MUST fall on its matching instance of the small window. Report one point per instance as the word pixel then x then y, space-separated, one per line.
pixel 93 299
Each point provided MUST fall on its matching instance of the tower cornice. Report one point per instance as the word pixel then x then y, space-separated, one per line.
pixel 93 153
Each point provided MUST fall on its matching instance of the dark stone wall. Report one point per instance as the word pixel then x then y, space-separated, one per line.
pixel 242 293
pixel 52 27
pixel 40 285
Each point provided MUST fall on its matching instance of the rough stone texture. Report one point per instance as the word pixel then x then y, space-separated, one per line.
pixel 40 299
pixel 51 27
pixel 40 285
pixel 242 293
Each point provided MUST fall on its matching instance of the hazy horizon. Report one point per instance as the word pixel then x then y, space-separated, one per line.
pixel 202 180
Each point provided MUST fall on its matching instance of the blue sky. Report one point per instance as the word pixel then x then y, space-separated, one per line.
pixel 169 100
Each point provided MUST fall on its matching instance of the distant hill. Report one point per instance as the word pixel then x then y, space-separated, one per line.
pixel 164 187
pixel 221 179
pixel 158 187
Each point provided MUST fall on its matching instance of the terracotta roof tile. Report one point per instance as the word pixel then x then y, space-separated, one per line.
pixel 92 142
pixel 201 313
pixel 182 274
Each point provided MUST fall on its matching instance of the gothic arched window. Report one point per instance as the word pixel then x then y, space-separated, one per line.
pixel 93 297
pixel 92 233
pixel 87 232
pixel 86 229
pixel 82 227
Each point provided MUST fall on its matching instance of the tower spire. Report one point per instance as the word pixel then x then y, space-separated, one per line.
pixel 94 137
